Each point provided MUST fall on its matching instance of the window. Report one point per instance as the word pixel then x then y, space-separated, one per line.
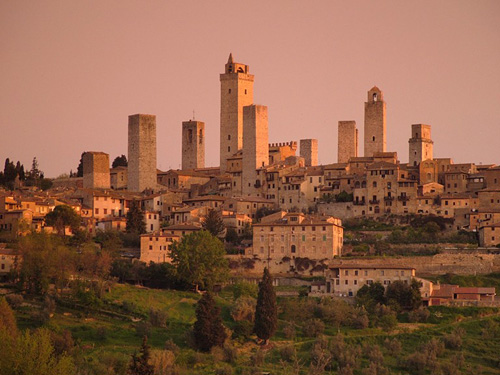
pixel 346 272
pixel 356 273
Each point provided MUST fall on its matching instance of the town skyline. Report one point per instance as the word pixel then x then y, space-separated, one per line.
pixel 61 98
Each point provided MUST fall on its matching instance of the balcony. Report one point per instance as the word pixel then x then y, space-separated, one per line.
pixel 403 198
pixel 374 201
pixel 359 203
pixel 388 199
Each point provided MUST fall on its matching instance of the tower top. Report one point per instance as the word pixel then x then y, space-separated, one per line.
pixel 234 67
pixel 375 95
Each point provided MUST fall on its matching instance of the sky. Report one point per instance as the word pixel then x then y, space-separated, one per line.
pixel 71 72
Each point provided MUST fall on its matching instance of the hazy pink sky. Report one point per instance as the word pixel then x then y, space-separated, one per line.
pixel 72 71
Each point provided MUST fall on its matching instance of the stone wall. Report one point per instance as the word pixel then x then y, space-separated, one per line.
pixel 375 123
pixel 309 151
pixel 193 144
pixel 348 141
pixel 96 170
pixel 141 152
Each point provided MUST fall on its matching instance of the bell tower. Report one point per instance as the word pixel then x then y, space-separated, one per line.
pixel 375 123
pixel 236 92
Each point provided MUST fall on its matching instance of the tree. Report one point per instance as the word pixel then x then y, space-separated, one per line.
pixel 199 260
pixel 371 295
pixel 266 312
pixel 403 296
pixel 208 329
pixel 135 219
pixel 79 169
pixel 213 223
pixel 120 161
pixel 7 318
pixel 63 216
pixel 139 365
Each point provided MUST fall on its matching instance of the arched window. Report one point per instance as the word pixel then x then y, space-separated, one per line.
pixel 375 97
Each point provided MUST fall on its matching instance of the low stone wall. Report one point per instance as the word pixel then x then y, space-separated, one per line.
pixel 457 262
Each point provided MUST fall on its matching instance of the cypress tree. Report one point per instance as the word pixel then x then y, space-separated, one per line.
pixel 266 312
pixel 140 363
pixel 208 329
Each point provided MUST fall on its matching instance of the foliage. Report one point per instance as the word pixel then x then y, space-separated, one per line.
pixel 264 211
pixel 213 223
pixel 371 295
pixel 266 313
pixel 243 309
pixel 199 260
pixel 7 318
pixel 232 236
pixel 120 161
pixel 400 295
pixel 243 288
pixel 135 219
pixel 208 330
pixel 61 217
pixel 343 196
pixel 139 365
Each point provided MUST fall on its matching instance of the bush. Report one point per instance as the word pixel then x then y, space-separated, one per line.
pixel 158 318
pixel 419 316
pixel 313 328
pixel 171 346
pixel 288 353
pixel 230 354
pixel 15 300
pixel 289 330
pixel 393 346
pixel 258 357
pixel 162 361
pixel 244 309
pixel 223 369
pixel 453 340
pixel 143 329
pixel 243 329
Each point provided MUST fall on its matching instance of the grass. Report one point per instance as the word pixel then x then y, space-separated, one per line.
pixel 106 339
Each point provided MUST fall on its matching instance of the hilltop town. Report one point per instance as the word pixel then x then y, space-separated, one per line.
pixel 400 234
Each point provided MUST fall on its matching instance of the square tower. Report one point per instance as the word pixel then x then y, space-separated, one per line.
pixel 255 147
pixel 96 170
pixel 421 144
pixel 141 152
pixel 375 123
pixel 348 141
pixel 236 86
pixel 193 144
pixel 309 151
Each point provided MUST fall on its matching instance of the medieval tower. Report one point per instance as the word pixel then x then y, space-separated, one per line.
pixel 421 144
pixel 141 152
pixel 96 170
pixel 375 123
pixel 255 147
pixel 193 144
pixel 236 92
pixel 309 151
pixel 348 141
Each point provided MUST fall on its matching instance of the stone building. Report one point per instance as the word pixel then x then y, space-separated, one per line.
pixel 193 144
pixel 295 235
pixel 236 93
pixel 309 151
pixel 96 170
pixel 141 152
pixel 119 178
pixel 375 123
pixel 347 141
pixel 156 247
pixel 255 148
pixel 347 280
pixel 420 143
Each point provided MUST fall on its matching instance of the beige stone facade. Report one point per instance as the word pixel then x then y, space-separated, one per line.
pixel 347 141
pixel 141 152
pixel 96 170
pixel 255 148
pixel 236 93
pixel 421 144
pixel 375 123
pixel 156 248
pixel 295 235
pixel 193 144
pixel 309 151
pixel 347 280
pixel 119 178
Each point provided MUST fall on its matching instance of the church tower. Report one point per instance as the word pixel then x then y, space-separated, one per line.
pixel 236 86
pixel 375 123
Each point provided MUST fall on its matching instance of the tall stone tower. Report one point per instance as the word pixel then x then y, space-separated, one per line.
pixel 348 141
pixel 309 151
pixel 193 144
pixel 96 170
pixel 141 152
pixel 375 123
pixel 236 91
pixel 421 144
pixel 255 147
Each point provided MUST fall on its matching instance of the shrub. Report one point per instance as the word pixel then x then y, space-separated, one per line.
pixel 223 369
pixel 242 289
pixel 258 358
pixel 243 330
pixel 288 353
pixel 313 328
pixel 162 361
pixel 289 330
pixel 393 346
pixel 158 318
pixel 15 300
pixel 420 315
pixel 244 309
pixel 171 346
pixel 230 354
pixel 453 340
